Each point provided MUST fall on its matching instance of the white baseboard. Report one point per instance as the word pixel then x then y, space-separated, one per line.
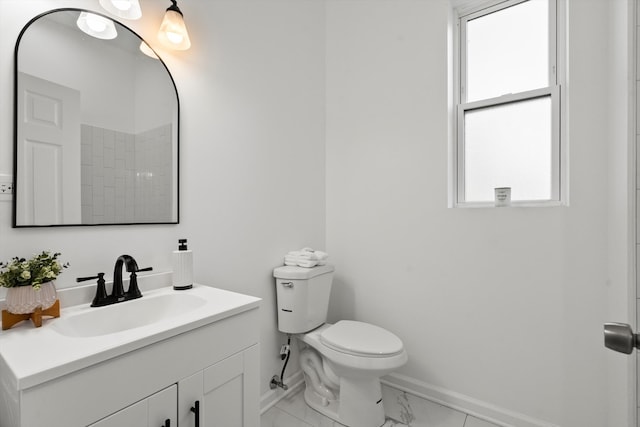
pixel 483 410
pixel 272 397
pixel 460 402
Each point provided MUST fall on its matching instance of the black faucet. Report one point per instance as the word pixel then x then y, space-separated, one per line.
pixel 117 293
pixel 132 266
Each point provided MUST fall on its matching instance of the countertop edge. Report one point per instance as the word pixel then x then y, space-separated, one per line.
pixel 38 378
pixel 28 380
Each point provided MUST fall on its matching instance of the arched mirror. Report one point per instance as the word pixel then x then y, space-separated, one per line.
pixel 96 127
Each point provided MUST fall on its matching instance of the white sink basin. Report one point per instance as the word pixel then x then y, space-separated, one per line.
pixel 126 315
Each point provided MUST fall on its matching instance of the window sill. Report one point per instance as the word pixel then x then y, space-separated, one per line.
pixel 514 204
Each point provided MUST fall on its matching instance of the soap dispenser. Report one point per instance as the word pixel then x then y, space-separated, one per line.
pixel 182 267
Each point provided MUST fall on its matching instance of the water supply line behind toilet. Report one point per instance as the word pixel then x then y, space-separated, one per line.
pixel 285 354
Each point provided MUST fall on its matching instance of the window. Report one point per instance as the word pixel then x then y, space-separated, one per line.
pixel 508 104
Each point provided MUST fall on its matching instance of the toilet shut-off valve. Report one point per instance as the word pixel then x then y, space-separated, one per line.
pixel 285 353
pixel 276 382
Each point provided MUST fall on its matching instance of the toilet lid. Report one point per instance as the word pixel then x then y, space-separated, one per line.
pixel 363 339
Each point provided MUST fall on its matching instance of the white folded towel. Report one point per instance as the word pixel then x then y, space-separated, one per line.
pixel 307 264
pixel 300 262
pixel 309 256
pixel 321 255
pixel 306 257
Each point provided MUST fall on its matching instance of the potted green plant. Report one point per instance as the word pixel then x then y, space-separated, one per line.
pixel 31 282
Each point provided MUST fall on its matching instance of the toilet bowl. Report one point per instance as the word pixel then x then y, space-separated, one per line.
pixel 342 362
pixel 353 355
pixel 357 349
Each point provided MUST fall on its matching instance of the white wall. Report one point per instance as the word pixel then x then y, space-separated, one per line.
pixel 501 308
pixel 253 171
pixel 252 151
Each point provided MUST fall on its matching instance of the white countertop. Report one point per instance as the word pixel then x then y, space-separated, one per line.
pixel 30 356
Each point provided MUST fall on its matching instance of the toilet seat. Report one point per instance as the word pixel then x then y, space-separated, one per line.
pixel 361 339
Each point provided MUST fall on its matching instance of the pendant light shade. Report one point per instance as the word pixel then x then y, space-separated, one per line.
pixel 146 49
pixel 126 9
pixel 97 26
pixel 173 32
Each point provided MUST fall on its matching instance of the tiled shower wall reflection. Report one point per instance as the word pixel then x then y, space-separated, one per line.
pixel 126 177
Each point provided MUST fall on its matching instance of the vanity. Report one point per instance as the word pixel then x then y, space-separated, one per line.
pixel 171 358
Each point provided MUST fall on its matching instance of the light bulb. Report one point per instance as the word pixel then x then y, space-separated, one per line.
pixel 123 5
pixel 127 9
pixel 174 37
pixel 97 26
pixel 96 23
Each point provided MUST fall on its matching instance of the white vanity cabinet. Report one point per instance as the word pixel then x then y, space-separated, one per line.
pixel 158 410
pixel 142 377
pixel 224 394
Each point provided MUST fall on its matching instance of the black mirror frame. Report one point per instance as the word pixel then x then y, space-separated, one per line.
pixel 16 183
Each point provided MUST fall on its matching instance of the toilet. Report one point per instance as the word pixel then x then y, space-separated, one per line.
pixel 342 363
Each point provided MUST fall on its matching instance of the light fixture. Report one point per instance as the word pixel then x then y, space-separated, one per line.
pixel 173 33
pixel 97 26
pixel 146 49
pixel 127 9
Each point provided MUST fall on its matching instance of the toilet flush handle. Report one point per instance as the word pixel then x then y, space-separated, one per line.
pixel 287 284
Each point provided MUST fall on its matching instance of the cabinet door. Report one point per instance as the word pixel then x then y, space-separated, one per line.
pixel 162 407
pixel 227 393
pixel 189 396
pixel 151 412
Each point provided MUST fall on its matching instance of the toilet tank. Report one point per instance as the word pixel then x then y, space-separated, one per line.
pixel 303 297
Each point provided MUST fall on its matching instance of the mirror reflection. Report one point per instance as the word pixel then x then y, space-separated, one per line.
pixel 96 128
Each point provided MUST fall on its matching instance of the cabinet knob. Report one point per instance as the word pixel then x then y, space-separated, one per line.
pixel 167 423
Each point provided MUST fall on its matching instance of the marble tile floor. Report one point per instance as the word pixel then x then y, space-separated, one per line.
pixel 292 411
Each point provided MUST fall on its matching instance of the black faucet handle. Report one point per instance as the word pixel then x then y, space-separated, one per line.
pixel 100 276
pixel 134 292
pixel 101 297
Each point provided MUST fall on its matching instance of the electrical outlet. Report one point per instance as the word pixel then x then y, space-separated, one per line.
pixel 6 188
pixel 6 185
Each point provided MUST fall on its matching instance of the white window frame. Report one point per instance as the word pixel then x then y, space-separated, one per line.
pixel 463 13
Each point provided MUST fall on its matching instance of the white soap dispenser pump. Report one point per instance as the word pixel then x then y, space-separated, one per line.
pixel 182 267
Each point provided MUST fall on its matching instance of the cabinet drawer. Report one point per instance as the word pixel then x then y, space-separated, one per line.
pixel 153 411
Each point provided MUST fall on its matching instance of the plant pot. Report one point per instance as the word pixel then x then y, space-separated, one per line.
pixel 25 299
